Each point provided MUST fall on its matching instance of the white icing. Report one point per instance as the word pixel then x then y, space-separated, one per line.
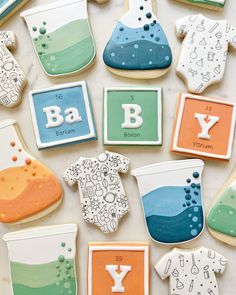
pixel 132 118
pixel 41 245
pixel 206 125
pixel 118 277
pixel 131 18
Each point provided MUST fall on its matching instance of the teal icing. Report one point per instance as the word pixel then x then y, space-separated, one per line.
pixel 142 48
pixel 10 8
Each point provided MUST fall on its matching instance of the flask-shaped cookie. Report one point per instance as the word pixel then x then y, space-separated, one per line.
pixel 12 78
pixel 172 200
pixel 221 219
pixel 42 260
pixel 28 189
pixel 61 36
pixel 138 47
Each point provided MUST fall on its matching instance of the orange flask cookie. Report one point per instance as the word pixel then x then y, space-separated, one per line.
pixel 28 189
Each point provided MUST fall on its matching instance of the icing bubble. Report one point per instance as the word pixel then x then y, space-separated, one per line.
pixel 150 49
pixel 133 55
pixel 231 212
pixel 195 209
pixel 187 190
pixel 67 285
pixel 195 219
pixel 188 180
pixel 61 258
pixel 146 27
pixel 121 29
pixel 42 31
pixel 63 244
pixel 150 62
pixel 167 58
pixel 123 63
pixel 149 15
pixel 193 232
pixel 195 174
pixel 113 54
pixel 34 29
pixel 157 39
pixel 193 185
pixel 190 215
pixel 200 225
pixel 188 197
pixel 136 46
pixel 191 225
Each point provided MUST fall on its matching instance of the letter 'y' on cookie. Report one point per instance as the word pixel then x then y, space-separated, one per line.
pixel 118 277
pixel 138 47
pixel 12 78
pixel 206 126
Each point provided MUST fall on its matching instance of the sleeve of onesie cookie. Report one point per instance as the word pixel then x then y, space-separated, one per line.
pixel 183 25
pixel 164 266
pixel 123 166
pixel 232 37
pixel 219 263
pixel 72 173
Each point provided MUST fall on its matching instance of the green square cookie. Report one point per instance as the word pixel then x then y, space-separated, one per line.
pixel 132 116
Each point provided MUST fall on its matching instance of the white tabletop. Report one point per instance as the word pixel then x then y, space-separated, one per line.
pixel 103 19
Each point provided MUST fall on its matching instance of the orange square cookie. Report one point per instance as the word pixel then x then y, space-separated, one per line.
pixel 118 268
pixel 204 126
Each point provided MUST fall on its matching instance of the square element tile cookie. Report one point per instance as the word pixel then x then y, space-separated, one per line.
pixel 118 268
pixel 204 127
pixel 132 116
pixel 62 114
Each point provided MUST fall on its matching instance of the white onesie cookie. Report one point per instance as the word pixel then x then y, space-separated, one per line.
pixel 204 52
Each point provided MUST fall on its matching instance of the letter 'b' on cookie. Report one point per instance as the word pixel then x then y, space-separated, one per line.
pixel 138 47
pixel 132 116
pixel 29 190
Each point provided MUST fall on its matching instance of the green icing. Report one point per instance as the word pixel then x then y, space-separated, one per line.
pixel 66 50
pixel 207 2
pixel 51 278
pixel 222 217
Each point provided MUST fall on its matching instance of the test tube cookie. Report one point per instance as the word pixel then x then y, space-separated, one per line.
pixel 138 47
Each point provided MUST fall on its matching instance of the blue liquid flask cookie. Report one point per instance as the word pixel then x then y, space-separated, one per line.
pixel 138 47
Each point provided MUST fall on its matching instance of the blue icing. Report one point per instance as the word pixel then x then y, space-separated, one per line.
pixel 72 97
pixel 170 201
pixel 180 228
pixel 10 8
pixel 138 49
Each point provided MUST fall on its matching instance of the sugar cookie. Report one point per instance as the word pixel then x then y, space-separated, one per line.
pixel 9 7
pixel 102 196
pixel 132 116
pixel 42 260
pixel 192 271
pixel 204 52
pixel 199 124
pixel 210 4
pixel 172 200
pixel 138 47
pixel 64 44
pixel 11 76
pixel 29 190
pixel 62 115
pixel 221 218
pixel 118 268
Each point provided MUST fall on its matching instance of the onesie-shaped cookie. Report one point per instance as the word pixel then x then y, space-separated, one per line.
pixel 221 219
pixel 12 78
pixel 102 196
pixel 204 52
pixel 138 47
pixel 210 4
pixel 192 272
pixel 65 44
pixel 9 7
pixel 29 190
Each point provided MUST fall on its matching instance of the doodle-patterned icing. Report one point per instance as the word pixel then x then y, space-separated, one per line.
pixel 62 115
pixel 29 190
pixel 138 41
pixel 192 271
pixel 118 268
pixel 172 200
pixel 204 53
pixel 42 260
pixel 11 76
pixel 64 45
pixel 211 4
pixel 222 216
pixel 102 196
pixel 8 7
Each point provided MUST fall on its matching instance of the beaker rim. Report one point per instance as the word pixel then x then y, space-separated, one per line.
pixel 6 123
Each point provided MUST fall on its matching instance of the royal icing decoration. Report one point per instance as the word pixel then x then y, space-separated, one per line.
pixel 42 260
pixel 11 76
pixel 172 200
pixel 135 41
pixel 102 196
pixel 64 45
pixel 118 268
pixel 199 125
pixel 192 271
pixel 204 52
pixel 211 4
pixel 132 116
pixel 62 115
pixel 222 215
pixel 29 190
pixel 9 7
